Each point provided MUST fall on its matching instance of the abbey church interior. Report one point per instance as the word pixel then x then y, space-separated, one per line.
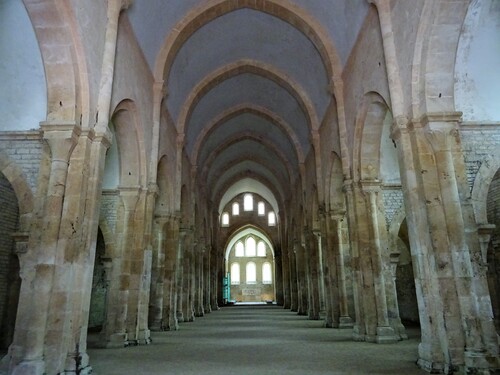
pixel 163 162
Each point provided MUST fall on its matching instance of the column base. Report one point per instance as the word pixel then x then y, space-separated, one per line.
pixel 208 309
pixel 432 367
pixel 345 322
pixel 386 335
pixel 156 326
pixel 144 337
pixel 480 363
pixel 117 340
pixel 28 368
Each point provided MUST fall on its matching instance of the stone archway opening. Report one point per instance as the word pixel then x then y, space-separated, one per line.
pixel 98 298
pixel 405 281
pixel 493 251
pixel 10 282
pixel 250 272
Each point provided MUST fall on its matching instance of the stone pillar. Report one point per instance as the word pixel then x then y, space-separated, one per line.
pixel 27 352
pixel 302 289
pixel 169 318
pixel 158 274
pixel 292 266
pixel 278 277
pixel 384 332
pixel 82 198
pixel 214 278
pixel 335 228
pixel 199 278
pixel 189 285
pixel 328 275
pixel 206 273
pixel 312 274
pixel 359 327
pixel 473 343
pixel 115 327
pixel 285 269
pixel 180 277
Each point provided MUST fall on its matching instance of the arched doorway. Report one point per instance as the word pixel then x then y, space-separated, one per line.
pixel 10 281
pixel 250 268
pixel 100 284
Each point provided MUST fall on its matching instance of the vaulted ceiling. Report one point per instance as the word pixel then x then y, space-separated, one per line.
pixel 247 81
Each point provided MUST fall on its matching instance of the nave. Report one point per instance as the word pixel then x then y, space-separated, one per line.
pixel 258 339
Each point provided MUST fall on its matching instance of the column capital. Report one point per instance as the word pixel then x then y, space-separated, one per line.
pixel 440 129
pixel 179 141
pixel 129 196
pixel 337 214
pixel 371 186
pixel 62 138
pixel 399 126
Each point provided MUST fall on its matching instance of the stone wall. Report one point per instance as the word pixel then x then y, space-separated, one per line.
pixel 494 247
pixel 25 149
pixel 392 196
pixel 99 287
pixel 9 214
pixel 479 142
pixel 109 207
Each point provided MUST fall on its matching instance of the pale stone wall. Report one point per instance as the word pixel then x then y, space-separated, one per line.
pixel 9 215
pixel 24 149
pixel 99 287
pixel 393 201
pixel 109 207
pixel 479 142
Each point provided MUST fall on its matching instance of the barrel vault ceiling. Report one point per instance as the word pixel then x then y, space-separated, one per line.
pixel 246 83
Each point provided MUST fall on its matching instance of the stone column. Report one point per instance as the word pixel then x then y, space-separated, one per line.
pixel 328 275
pixel 169 319
pixel 179 272
pixel 82 200
pixel 206 273
pixel 302 290
pixel 292 266
pixel 385 333
pixel 214 278
pixel 158 274
pixel 199 278
pixel 335 227
pixel 27 351
pixel 118 294
pixel 312 274
pixel 189 275
pixel 359 327
pixel 285 269
pixel 460 282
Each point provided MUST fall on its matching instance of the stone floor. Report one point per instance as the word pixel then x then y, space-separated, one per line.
pixel 255 340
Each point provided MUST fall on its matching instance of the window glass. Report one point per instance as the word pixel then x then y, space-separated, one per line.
pixel 236 209
pixel 267 273
pixel 261 209
pixel 261 249
pixel 225 219
pixel 251 273
pixel 235 273
pixel 240 249
pixel 271 219
pixel 250 247
pixel 248 202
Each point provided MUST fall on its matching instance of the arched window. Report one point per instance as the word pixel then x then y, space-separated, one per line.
pixel 261 249
pixel 250 247
pixel 251 273
pixel 248 202
pixel 261 209
pixel 240 249
pixel 235 274
pixel 225 219
pixel 236 209
pixel 271 219
pixel 267 273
